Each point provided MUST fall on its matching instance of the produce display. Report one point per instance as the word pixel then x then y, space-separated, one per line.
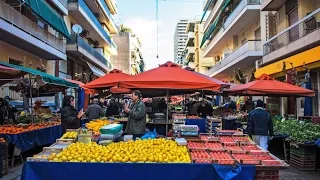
pixel 153 150
pixel 199 154
pixel 221 157
pixel 196 145
pixel 95 125
pixel 298 131
pixel 233 148
pixel 245 158
pixel 70 135
pixel 213 145
pixel 16 129
pixel 250 147
pixel 227 139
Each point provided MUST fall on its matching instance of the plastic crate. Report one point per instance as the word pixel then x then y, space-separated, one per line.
pixel 267 174
pixel 303 150
pixel 5 158
pixel 303 167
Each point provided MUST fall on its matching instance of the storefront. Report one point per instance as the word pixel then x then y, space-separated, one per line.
pixel 300 63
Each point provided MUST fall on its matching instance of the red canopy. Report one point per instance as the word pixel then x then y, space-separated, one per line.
pixel 107 81
pixel 118 90
pixel 81 84
pixel 267 86
pixel 170 76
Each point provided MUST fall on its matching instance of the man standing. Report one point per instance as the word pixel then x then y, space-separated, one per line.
pixel 136 125
pixel 94 111
pixel 205 109
pixel 260 125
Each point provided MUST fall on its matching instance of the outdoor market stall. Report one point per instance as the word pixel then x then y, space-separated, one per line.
pixel 38 127
pixel 210 157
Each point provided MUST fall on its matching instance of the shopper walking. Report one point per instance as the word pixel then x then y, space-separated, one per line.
pixel 136 112
pixel 94 111
pixel 260 125
pixel 70 118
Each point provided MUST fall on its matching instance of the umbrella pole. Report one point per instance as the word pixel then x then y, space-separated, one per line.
pixel 167 118
pixel 30 89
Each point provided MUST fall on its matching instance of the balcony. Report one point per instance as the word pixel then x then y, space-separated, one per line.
pixel 61 5
pixel 190 39
pixel 19 31
pixel 241 17
pixel 112 4
pixel 213 13
pixel 77 46
pixel 110 21
pixel 243 57
pixel 79 10
pixel 190 53
pixel 272 5
pixel 303 35
pixel 207 5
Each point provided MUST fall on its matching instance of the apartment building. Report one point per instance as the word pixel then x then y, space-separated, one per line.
pixel 292 40
pixel 32 33
pixel 129 58
pixel 90 46
pixel 179 40
pixel 232 37
pixel 193 54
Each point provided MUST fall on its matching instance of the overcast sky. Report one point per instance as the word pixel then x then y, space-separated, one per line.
pixel 140 16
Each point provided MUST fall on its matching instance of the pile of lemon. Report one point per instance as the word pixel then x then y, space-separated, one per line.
pixel 95 125
pixel 70 135
pixel 141 151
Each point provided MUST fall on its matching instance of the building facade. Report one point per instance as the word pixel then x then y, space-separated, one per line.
pixel 193 54
pixel 179 40
pixel 292 45
pixel 30 38
pixel 129 58
pixel 232 37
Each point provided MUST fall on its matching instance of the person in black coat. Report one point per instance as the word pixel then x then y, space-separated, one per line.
pixel 205 109
pixel 113 109
pixel 70 118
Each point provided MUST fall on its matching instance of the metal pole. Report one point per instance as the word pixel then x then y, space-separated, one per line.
pixel 30 88
pixel 167 112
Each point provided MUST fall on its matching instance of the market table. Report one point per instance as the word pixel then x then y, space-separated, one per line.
pixel 153 171
pixel 200 122
pixel 27 140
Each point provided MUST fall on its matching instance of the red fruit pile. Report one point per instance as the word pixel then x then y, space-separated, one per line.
pixel 246 159
pixel 272 163
pixel 233 148
pixel 206 161
pixel 240 139
pixel 199 154
pixel 226 139
pixel 212 145
pixel 250 148
pixel 219 155
pixel 208 138
pixel 196 145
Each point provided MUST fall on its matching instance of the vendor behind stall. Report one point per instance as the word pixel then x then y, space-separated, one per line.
pixel 205 109
pixel 94 111
pixel 112 109
pixel 248 106
pixel 70 118
pixel 137 115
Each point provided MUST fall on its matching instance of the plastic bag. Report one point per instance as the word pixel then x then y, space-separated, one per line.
pixel 111 129
pixel 150 135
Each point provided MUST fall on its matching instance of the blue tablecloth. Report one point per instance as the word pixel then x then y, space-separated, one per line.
pixel 26 141
pixel 201 123
pixel 54 171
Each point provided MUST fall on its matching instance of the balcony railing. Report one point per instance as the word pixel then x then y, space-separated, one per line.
pixel 94 19
pixel 22 22
pixel 305 26
pixel 214 11
pixel 64 2
pixel 82 43
pixel 235 13
pixel 251 45
pixel 106 10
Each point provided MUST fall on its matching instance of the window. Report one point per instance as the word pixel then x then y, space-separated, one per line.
pixel 15 62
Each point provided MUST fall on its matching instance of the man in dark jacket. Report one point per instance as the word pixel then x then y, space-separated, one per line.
pixel 112 109
pixel 260 125
pixel 136 125
pixel 205 109
pixel 94 111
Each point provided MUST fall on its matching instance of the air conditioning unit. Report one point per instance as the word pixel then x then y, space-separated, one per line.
pixel 85 33
pixel 259 63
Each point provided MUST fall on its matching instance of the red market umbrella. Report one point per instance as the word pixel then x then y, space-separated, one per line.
pixel 118 90
pixel 81 84
pixel 108 81
pixel 170 76
pixel 267 86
